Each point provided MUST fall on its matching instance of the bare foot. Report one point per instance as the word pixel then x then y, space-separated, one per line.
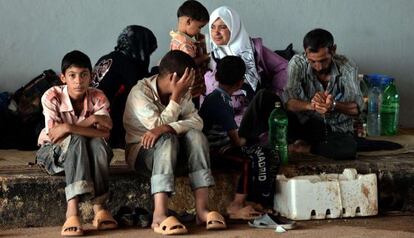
pixel 258 207
pixel 234 207
pixel 202 216
pixel 244 213
pixel 157 219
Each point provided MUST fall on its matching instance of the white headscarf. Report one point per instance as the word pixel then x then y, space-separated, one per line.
pixel 238 45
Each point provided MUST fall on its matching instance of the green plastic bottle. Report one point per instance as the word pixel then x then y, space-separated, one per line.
pixel 390 109
pixel 278 126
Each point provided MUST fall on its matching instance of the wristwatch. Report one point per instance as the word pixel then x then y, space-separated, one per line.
pixel 333 106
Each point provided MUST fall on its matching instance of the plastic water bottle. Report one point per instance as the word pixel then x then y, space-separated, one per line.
pixel 374 103
pixel 278 126
pixel 361 120
pixel 390 108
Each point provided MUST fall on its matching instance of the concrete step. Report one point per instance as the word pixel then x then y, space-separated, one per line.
pixel 31 198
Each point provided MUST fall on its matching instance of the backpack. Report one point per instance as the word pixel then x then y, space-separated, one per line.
pixel 28 97
pixel 287 53
pixel 22 121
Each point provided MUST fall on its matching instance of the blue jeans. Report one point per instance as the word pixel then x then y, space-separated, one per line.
pixel 85 162
pixel 159 162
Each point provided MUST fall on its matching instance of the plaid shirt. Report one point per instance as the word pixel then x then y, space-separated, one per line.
pixel 57 108
pixel 303 84
pixel 144 111
pixel 180 41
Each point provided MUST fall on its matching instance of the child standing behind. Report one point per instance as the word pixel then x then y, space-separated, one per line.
pixel 163 127
pixel 221 128
pixel 77 121
pixel 192 16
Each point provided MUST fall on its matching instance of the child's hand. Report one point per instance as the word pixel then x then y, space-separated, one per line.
pixel 180 86
pixel 150 137
pixel 58 132
pixel 101 127
pixel 103 122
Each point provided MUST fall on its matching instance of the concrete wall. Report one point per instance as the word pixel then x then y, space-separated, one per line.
pixel 376 34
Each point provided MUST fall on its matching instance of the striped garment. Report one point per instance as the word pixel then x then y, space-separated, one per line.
pixel 194 48
pixel 343 85
pixel 182 42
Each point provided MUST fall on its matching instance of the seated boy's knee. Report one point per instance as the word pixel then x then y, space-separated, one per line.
pixel 78 139
pixel 195 137
pixel 196 140
pixel 167 138
pixel 97 142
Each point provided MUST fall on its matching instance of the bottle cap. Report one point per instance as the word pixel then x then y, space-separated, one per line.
pixel 379 79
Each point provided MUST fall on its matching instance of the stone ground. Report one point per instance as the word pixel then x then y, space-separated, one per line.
pixel 399 225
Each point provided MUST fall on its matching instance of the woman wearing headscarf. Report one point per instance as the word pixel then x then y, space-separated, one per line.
pixel 117 72
pixel 264 68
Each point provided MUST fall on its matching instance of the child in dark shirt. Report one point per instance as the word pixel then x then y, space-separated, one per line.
pixel 227 139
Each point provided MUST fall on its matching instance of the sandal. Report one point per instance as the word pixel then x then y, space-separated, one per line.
pixel 104 221
pixel 268 221
pixel 245 213
pixel 72 227
pixel 215 221
pixel 170 226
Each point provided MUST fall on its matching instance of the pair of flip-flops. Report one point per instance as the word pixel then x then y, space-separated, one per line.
pixel 127 216
pixel 172 226
pixel 103 220
pixel 270 221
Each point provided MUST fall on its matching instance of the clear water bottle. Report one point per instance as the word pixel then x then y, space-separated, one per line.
pixel 361 120
pixel 278 126
pixel 373 110
pixel 390 109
